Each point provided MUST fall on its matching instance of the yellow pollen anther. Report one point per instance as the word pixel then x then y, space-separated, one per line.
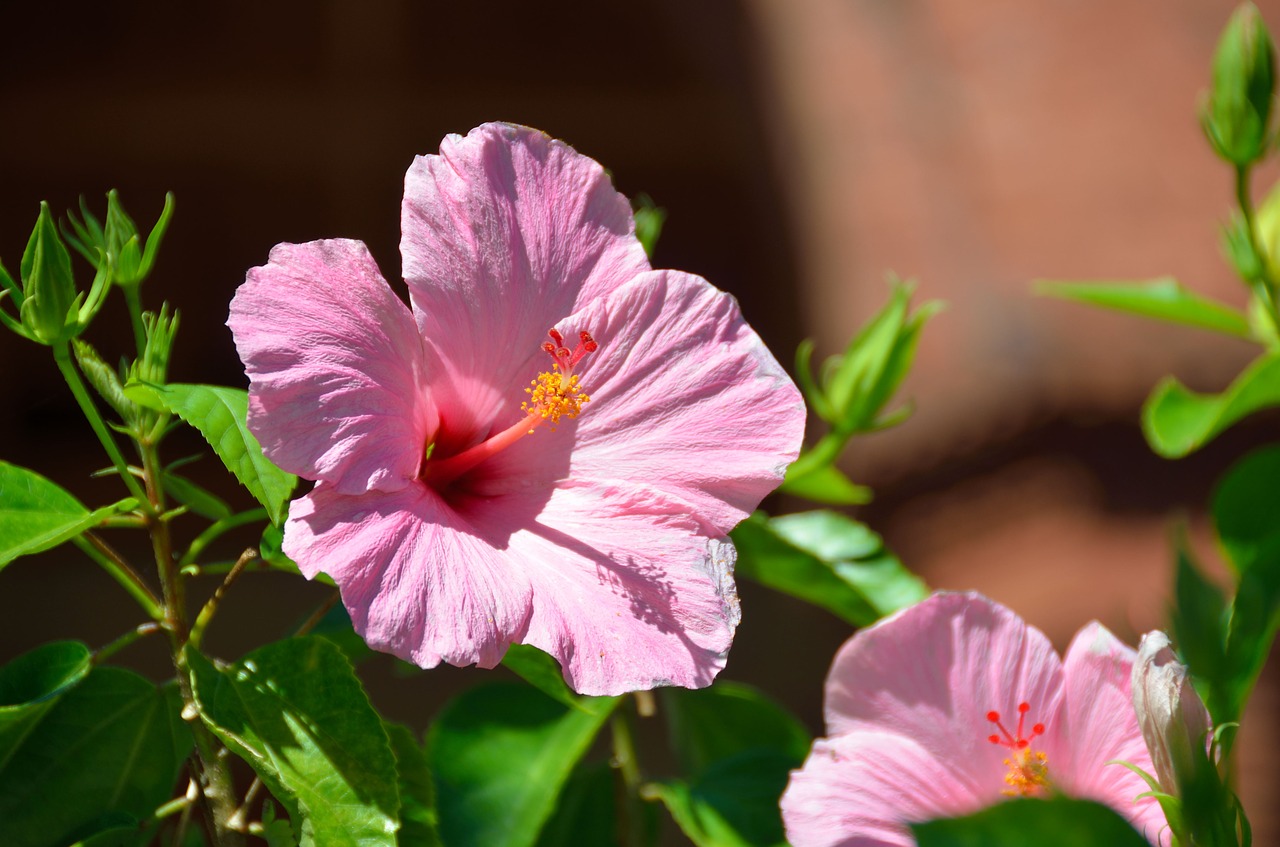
pixel 1028 773
pixel 553 397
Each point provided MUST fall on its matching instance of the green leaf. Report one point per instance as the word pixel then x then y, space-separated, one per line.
pixel 31 684
pixel 418 824
pixel 1178 421
pixel 734 803
pixel 1163 298
pixel 36 514
pixel 849 378
pixel 501 754
pixel 295 711
pixel 828 560
pixel 824 484
pixel 1199 626
pixel 586 815
pixel 219 414
pixel 1245 516
pixel 541 671
pixel 727 719
pixel 1055 822
pixel 105 754
pixel 1244 512
pixel 649 221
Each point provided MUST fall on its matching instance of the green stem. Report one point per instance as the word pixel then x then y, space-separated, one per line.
pixel 133 299
pixel 204 539
pixel 627 766
pixel 62 355
pixel 141 631
pixel 1266 291
pixel 111 561
pixel 209 764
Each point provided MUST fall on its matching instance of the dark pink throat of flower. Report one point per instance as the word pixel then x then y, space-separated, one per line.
pixel 553 395
pixel 1028 769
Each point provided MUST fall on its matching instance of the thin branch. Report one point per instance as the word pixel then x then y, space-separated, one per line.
pixel 115 565
pixel 211 606
pixel 215 530
pixel 318 615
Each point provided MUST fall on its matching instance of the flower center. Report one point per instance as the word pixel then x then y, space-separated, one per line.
pixel 1028 769
pixel 553 395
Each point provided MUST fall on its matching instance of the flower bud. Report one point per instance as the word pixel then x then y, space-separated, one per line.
pixel 48 290
pixel 1238 112
pixel 117 240
pixel 1174 721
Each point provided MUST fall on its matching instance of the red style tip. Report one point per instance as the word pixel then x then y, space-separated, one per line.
pixel 993 716
pixel 556 337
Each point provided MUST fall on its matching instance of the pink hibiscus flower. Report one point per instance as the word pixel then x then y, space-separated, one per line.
pixel 548 449
pixel 956 703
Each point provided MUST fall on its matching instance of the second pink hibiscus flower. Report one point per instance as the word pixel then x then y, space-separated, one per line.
pixel 955 704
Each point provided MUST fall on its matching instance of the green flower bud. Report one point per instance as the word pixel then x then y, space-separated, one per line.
pixel 49 303
pixel 1238 111
pixel 118 239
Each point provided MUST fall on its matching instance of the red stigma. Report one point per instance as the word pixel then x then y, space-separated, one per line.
pixel 564 357
pixel 1014 740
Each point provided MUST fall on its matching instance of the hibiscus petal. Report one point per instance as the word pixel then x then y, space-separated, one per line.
pixel 860 790
pixel 418 580
pixel 933 671
pixel 630 591
pixel 1102 727
pixel 505 232
pixel 684 396
pixel 334 363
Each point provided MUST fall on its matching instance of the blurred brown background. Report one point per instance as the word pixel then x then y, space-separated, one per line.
pixel 801 149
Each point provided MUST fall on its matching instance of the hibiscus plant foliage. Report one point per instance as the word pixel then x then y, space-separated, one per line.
pixel 551 458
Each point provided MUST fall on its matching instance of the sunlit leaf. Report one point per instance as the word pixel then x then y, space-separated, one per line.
pixel 541 671
pixel 1163 299
pixel 1178 421
pixel 824 484
pixel 828 560
pixel 219 414
pixel 295 711
pixel 36 514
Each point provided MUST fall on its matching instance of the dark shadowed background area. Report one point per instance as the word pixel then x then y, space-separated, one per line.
pixel 800 150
